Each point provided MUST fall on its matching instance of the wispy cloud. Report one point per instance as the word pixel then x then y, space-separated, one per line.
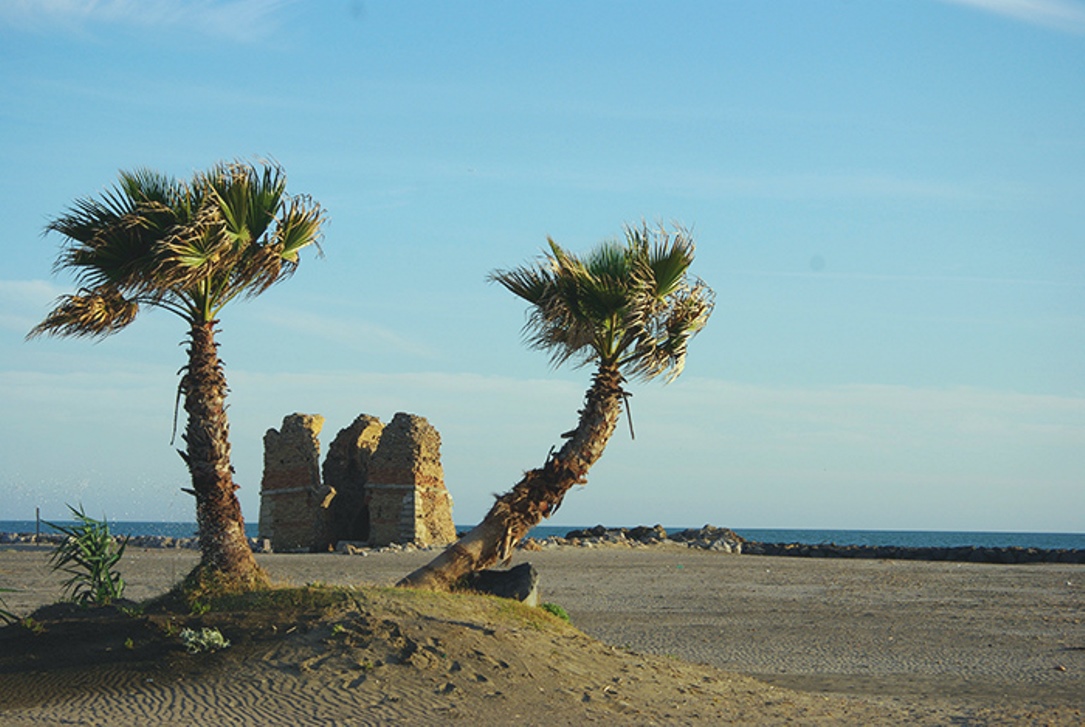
pixel 1064 15
pixel 844 456
pixel 838 185
pixel 243 20
pixel 23 303
pixel 887 277
pixel 34 292
pixel 350 333
pixel 696 183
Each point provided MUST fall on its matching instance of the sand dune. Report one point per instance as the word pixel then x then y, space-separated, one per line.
pixel 685 636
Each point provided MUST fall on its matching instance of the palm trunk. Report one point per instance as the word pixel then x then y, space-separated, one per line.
pixel 538 495
pixel 225 551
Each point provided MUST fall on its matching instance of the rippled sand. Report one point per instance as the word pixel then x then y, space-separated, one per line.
pixel 937 642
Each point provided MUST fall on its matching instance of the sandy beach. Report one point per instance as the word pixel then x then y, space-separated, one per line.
pixel 928 643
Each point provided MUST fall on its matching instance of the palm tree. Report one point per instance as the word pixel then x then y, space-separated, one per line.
pixel 628 308
pixel 188 247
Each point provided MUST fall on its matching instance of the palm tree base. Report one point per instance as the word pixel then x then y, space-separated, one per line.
pixel 205 583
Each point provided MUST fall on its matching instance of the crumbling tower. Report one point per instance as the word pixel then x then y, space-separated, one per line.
pixel 382 484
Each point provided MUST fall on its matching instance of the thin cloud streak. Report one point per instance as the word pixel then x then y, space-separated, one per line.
pixel 730 446
pixel 244 20
pixel 30 291
pixel 23 303
pixel 697 184
pixel 974 279
pixel 1061 15
pixel 351 333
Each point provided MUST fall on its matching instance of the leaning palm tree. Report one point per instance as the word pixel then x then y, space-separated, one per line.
pixel 628 308
pixel 188 247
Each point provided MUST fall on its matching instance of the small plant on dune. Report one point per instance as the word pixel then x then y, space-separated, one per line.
pixel 556 610
pixel 170 628
pixel 199 608
pixel 34 627
pixel 203 640
pixel 89 555
pixel 132 611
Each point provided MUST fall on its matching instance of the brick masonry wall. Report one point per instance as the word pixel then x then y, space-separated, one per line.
pixel 291 491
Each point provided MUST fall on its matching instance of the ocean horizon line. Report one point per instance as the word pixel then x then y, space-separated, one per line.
pixel 669 528
pixel 805 536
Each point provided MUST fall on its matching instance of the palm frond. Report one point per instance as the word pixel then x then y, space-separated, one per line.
pixel 149 186
pixel 630 304
pixel 247 199
pixel 189 247
pixel 670 260
pixel 610 259
pixel 298 227
pixel 88 313
pixel 662 349
pixel 529 283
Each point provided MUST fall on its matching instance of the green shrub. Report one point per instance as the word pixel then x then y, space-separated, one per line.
pixel 556 610
pixel 34 627
pixel 89 555
pixel 203 640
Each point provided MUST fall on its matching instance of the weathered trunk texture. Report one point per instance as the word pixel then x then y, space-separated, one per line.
pixel 538 495
pixel 224 547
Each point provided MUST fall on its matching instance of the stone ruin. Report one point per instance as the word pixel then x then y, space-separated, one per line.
pixel 381 484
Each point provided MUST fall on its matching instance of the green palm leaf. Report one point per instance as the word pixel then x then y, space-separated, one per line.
pixel 188 247
pixel 628 304
pixel 298 228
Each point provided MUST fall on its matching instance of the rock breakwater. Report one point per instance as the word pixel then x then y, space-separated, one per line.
pixel 726 540
pixel 258 545
pixel 963 554
pixel 708 537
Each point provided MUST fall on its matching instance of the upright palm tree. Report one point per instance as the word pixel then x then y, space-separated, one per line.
pixel 628 308
pixel 188 247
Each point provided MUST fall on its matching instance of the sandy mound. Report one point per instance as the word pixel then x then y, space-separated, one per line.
pixel 369 657
pixel 321 655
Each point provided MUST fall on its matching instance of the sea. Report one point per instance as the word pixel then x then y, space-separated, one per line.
pixel 898 538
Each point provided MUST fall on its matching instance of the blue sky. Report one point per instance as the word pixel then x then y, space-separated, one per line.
pixel 886 196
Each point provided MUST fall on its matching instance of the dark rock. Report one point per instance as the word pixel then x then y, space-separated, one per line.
pixel 260 545
pixel 646 534
pixel 708 533
pixel 599 531
pixel 520 583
